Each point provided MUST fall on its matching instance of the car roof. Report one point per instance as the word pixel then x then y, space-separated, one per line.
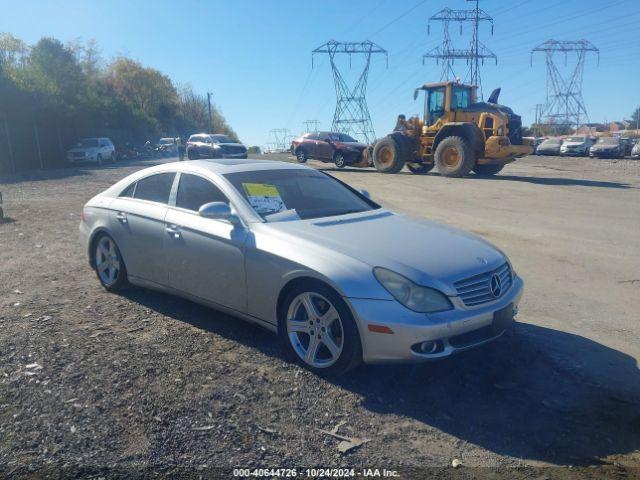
pixel 227 165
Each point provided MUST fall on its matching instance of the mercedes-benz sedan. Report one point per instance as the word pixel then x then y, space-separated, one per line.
pixel 339 278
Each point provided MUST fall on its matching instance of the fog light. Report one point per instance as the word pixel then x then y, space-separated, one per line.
pixel 428 347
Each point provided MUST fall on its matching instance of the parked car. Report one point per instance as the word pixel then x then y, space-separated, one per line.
pixel 535 143
pixel 97 150
pixel 635 151
pixel 168 146
pixel 289 247
pixel 207 145
pixel 551 146
pixel 607 147
pixel 339 148
pixel 577 145
pixel 626 145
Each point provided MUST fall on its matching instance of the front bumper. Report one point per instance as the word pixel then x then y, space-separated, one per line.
pixel 604 154
pixel 458 329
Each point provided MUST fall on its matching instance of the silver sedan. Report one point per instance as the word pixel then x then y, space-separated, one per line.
pixel 339 278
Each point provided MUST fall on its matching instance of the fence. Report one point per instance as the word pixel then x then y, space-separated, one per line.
pixel 29 145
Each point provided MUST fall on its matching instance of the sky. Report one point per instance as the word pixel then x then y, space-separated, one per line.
pixel 254 56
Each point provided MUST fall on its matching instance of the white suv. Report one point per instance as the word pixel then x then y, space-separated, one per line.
pixel 96 150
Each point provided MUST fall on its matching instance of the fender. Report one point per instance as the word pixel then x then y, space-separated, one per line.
pixel 467 130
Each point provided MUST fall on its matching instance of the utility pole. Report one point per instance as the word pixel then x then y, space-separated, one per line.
pixel 565 105
pixel 210 116
pixel 351 115
pixel 447 53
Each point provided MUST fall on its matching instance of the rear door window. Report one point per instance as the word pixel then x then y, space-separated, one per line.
pixel 195 191
pixel 155 188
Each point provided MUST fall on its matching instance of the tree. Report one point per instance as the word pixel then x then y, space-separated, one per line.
pixel 147 89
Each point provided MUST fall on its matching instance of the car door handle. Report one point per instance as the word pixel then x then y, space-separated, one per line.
pixel 173 230
pixel 122 217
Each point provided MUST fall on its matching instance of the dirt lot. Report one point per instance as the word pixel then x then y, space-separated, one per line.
pixel 102 384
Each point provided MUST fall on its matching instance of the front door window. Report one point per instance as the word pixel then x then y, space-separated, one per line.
pixel 435 105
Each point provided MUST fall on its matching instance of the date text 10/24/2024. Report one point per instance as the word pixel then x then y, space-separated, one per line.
pixel 314 473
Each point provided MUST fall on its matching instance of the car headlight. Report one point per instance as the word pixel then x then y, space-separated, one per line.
pixel 414 297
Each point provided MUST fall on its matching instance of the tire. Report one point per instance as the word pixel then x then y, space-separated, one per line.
pixel 191 155
pixel 486 170
pixel 338 160
pixel 301 155
pixel 454 157
pixel 387 156
pixel 109 264
pixel 295 326
pixel 99 159
pixel 420 168
pixel 405 144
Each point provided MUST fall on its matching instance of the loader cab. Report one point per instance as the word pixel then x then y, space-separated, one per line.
pixel 444 98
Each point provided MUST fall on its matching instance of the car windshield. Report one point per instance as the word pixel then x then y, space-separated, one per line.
pixel 87 143
pixel 342 137
pixel 166 141
pixel 297 194
pixel 221 139
pixel 576 139
pixel 551 142
pixel 609 141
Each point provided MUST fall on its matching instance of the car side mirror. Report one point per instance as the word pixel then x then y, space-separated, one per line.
pixel 366 194
pixel 219 211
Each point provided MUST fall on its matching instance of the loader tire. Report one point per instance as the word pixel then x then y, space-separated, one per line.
pixel 454 157
pixel 387 156
pixel 405 144
pixel 487 170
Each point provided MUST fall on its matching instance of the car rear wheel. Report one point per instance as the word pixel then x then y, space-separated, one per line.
pixel 454 157
pixel 109 264
pixel 318 331
pixel 338 159
pixel 301 155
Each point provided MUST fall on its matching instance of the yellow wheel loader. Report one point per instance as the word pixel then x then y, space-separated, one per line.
pixel 457 134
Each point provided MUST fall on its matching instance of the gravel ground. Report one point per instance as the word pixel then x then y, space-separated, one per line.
pixel 97 384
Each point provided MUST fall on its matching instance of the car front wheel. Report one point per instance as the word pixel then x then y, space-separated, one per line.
pixel 301 155
pixel 318 330
pixel 339 160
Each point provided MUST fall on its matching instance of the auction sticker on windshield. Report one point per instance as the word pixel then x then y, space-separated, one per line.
pixel 264 197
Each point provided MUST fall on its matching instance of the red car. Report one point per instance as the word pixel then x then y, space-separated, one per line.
pixel 338 148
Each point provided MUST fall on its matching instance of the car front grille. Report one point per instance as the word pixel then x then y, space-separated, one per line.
pixel 232 149
pixel 476 290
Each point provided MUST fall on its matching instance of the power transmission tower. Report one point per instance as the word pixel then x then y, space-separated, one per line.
pixel 448 54
pixel 280 138
pixel 565 106
pixel 352 114
pixel 311 125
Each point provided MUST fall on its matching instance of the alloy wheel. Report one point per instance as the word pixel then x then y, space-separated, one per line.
pixel 315 330
pixel 107 261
